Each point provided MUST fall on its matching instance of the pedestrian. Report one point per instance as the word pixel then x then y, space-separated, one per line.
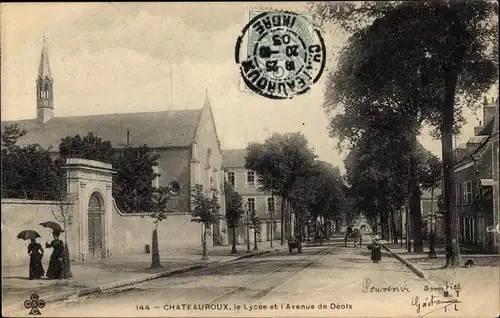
pixel 349 230
pixel 376 250
pixel 35 251
pixel 432 242
pixel 56 258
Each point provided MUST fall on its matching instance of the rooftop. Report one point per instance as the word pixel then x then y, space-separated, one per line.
pixel 234 158
pixel 164 129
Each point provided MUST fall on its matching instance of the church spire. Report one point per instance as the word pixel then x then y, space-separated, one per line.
pixel 44 67
pixel 44 88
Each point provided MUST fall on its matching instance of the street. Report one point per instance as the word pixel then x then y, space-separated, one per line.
pixel 328 280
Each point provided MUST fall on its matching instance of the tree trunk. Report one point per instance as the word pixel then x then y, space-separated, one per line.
pixel 233 249
pixel 155 253
pixel 66 273
pixel 449 191
pixel 255 247
pixel 432 212
pixel 204 243
pixel 283 206
pixel 415 195
pixel 393 227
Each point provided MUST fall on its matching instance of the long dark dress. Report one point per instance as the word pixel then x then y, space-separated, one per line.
pixel 55 264
pixel 376 252
pixel 35 252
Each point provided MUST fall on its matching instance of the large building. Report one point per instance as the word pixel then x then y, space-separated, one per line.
pixel 476 177
pixel 186 140
pixel 267 205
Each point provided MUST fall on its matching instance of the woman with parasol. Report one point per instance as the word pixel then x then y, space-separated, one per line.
pixel 56 258
pixel 35 251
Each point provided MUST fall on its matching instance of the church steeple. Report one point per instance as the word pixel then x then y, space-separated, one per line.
pixel 44 88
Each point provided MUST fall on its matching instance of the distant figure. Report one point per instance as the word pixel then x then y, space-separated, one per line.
pixel 349 230
pixel 56 258
pixel 432 243
pixel 376 250
pixel 35 251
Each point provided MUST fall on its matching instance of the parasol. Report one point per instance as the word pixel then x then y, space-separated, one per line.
pixel 28 235
pixel 53 225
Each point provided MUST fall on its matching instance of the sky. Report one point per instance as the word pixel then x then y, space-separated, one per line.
pixel 129 57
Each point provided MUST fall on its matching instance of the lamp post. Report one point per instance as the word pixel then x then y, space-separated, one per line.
pixel 248 228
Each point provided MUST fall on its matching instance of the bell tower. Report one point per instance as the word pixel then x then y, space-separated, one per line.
pixel 44 88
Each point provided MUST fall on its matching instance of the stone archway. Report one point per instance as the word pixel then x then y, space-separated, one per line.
pixel 96 213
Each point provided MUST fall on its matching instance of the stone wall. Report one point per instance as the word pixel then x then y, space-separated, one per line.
pixel 19 215
pixel 133 231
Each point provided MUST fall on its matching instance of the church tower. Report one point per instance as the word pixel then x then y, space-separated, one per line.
pixel 44 88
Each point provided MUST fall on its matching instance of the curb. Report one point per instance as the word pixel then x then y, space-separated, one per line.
pixel 408 264
pixel 101 288
pixel 237 258
pixel 126 282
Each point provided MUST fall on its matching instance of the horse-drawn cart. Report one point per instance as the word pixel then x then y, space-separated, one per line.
pixel 295 243
pixel 355 236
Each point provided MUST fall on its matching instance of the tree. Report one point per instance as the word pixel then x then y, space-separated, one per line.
pixel 255 226
pixel 89 147
pixel 28 172
pixel 64 214
pixel 132 185
pixel 319 192
pixel 376 174
pixel 11 135
pixel 159 213
pixel 205 210
pixel 451 45
pixel 234 211
pixel 278 163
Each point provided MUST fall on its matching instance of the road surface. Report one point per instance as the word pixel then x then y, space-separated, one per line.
pixel 322 281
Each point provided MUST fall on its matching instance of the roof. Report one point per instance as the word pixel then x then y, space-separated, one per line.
pixel 234 158
pixel 476 139
pixel 165 129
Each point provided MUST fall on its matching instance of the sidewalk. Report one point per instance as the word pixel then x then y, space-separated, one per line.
pixel 120 270
pixel 466 252
pixel 475 285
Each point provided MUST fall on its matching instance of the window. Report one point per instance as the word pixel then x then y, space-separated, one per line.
pixel 459 194
pixel 251 204
pixel 155 182
pixel 208 163
pixel 270 205
pixel 251 178
pixel 230 177
pixel 467 190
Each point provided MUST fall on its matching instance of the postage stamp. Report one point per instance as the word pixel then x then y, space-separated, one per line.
pixel 280 54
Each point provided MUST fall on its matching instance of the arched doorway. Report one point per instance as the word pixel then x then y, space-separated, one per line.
pixel 95 218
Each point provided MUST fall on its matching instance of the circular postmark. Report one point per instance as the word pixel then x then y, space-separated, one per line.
pixel 280 54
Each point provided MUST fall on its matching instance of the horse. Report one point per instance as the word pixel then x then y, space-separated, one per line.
pixel 355 236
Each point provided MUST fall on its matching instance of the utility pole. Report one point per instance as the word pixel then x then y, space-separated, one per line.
pixel 272 210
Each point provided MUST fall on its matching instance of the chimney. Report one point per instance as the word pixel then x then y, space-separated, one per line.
pixel 478 129
pixel 489 113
